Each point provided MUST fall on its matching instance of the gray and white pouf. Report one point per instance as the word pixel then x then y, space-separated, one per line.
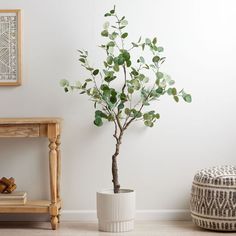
pixel 213 198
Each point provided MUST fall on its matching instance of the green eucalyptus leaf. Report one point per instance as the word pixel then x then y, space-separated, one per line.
pixel 135 45
pixel 159 75
pixel 82 60
pixel 148 41
pixel 169 91
pixel 104 33
pixel 142 60
pixel 64 82
pixel 121 60
pixel 187 98
pixel 109 78
pixel 109 60
pixel 125 54
pixel 171 82
pixel 176 98
pixel 113 99
pixel 128 63
pixel 123 97
pixel 143 46
pixel 138 114
pixel 95 72
pixel 124 35
pixel 98 121
pixel 127 111
pixel 159 90
pixel 174 91
pixel 100 114
pixel 116 67
pixel 130 90
pixel 155 59
pixel 148 123
pixel 107 14
pixel 160 49
pixel 106 25
pixel 123 22
pixel 121 106
pixel 154 41
pixel 111 44
pixel 104 87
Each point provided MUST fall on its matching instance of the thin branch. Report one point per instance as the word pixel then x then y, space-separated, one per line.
pixel 118 22
pixel 115 133
pixel 118 122
pixel 125 75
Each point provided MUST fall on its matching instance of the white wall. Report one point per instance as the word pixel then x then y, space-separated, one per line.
pixel 199 38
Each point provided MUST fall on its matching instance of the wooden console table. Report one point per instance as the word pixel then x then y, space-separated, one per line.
pixel 33 128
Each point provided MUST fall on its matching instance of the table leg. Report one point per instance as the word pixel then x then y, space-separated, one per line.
pixel 58 143
pixel 53 182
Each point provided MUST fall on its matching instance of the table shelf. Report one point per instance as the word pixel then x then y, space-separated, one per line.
pixel 36 206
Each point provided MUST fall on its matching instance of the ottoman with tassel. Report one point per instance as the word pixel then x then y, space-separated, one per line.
pixel 213 198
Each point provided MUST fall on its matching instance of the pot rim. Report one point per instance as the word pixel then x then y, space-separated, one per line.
pixel 111 192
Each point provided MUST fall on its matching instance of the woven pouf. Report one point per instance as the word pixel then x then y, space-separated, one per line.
pixel 213 198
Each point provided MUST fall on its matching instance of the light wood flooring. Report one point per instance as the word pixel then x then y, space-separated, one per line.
pixel 157 228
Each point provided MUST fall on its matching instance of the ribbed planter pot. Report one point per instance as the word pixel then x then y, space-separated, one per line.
pixel 116 212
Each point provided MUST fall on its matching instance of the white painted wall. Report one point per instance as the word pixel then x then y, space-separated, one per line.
pixel 199 38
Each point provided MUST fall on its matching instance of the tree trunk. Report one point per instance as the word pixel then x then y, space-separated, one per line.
pixel 115 180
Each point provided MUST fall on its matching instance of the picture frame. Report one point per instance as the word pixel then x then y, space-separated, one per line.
pixel 10 47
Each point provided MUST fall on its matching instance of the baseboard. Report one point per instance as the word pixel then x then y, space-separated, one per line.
pixel 142 215
pixel 90 215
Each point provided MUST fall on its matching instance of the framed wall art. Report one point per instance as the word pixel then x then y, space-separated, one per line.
pixel 10 47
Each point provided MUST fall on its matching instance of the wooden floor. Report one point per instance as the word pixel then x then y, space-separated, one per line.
pixel 158 228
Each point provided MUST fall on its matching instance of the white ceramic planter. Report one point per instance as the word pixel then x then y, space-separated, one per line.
pixel 116 212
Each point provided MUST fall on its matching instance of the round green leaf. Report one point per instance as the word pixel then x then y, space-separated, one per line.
pixel 121 60
pixel 104 33
pixel 128 63
pixel 121 106
pixel 188 98
pixel 148 41
pixel 98 121
pixel 160 49
pixel 174 91
pixel 116 67
pixel 106 25
pixel 124 22
pixel 64 82
pixel 111 44
pixel 155 59
pixel 127 111
pixel 124 35
pixel 113 99
pixel 95 72
pixel 176 98
pixel 130 90
pixel 109 60
pixel 159 75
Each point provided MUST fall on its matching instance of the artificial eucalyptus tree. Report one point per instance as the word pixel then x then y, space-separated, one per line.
pixel 123 90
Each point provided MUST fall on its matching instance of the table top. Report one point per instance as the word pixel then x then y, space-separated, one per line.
pixel 30 120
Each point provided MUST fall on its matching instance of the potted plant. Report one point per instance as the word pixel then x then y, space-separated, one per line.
pixel 122 91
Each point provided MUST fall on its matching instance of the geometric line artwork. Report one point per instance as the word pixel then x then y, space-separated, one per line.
pixel 10 71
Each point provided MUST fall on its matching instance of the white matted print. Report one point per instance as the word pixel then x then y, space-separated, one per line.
pixel 10 47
